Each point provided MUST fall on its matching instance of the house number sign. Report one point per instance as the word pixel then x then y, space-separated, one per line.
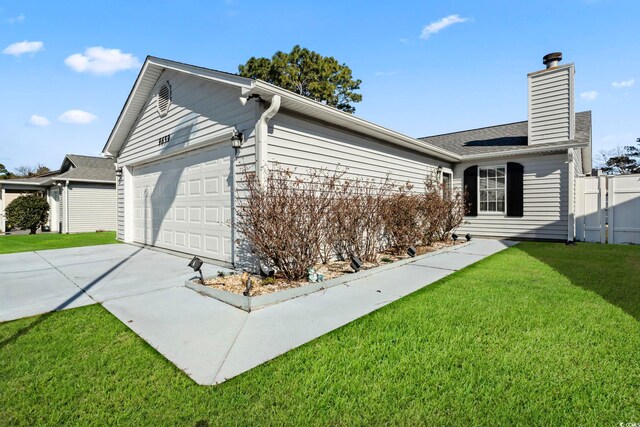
pixel 164 139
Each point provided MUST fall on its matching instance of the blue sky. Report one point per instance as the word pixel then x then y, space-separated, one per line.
pixel 427 67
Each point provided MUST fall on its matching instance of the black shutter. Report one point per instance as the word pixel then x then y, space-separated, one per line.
pixel 471 190
pixel 515 191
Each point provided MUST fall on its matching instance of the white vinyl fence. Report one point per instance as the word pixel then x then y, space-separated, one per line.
pixel 608 209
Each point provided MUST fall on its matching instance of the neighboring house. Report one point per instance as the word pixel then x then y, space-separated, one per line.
pixel 81 194
pixel 187 135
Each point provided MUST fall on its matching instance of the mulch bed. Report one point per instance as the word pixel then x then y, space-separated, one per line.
pixel 261 286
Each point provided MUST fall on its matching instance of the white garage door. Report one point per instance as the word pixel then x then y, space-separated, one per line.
pixel 184 203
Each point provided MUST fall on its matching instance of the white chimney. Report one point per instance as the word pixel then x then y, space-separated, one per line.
pixel 551 103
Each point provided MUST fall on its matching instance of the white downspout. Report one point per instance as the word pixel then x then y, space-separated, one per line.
pixel 262 136
pixel 571 214
pixel 66 207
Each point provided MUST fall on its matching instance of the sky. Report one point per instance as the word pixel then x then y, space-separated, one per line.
pixel 427 67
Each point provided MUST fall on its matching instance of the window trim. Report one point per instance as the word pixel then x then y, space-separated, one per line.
pixel 494 213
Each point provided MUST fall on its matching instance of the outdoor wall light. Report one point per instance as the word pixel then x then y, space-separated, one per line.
pixel 411 251
pixel 196 264
pixel 236 139
pixel 119 172
pixel 356 263
pixel 454 236
pixel 439 173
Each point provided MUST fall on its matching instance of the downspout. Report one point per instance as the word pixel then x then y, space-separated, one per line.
pixel 66 207
pixel 571 211
pixel 262 136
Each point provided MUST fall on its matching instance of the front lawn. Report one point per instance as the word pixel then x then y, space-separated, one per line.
pixel 541 334
pixel 39 242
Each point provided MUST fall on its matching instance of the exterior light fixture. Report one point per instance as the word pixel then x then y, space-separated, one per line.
pixel 246 280
pixel 196 264
pixel 356 263
pixel 439 173
pixel 236 138
pixel 119 172
pixel 411 251
pixel 468 237
pixel 267 271
pixel 454 236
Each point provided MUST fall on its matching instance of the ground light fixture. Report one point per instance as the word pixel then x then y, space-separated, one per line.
pixel 454 236
pixel 411 251
pixel 356 263
pixel 196 264
pixel 468 237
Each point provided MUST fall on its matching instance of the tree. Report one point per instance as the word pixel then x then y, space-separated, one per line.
pixel 307 73
pixel 28 212
pixel 31 171
pixel 4 173
pixel 621 161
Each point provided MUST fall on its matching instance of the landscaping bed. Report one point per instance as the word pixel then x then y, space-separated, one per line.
pixel 271 290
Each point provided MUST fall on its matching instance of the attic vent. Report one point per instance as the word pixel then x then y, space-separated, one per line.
pixel 164 99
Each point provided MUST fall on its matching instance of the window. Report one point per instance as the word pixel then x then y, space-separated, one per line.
pixel 491 188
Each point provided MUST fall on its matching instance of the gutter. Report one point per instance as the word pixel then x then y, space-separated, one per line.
pixel 524 151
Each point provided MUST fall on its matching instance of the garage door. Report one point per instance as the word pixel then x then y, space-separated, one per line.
pixel 184 203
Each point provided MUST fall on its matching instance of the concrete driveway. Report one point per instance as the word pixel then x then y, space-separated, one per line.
pixel 38 282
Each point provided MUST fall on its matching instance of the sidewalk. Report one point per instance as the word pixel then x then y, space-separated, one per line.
pixel 213 342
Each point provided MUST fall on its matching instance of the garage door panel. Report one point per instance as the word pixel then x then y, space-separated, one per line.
pixel 185 204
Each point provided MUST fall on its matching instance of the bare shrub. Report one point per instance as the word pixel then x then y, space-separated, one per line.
pixel 356 218
pixel 403 219
pixel 285 219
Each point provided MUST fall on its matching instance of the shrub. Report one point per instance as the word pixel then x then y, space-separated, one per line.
pixel 284 220
pixel 403 219
pixel 28 212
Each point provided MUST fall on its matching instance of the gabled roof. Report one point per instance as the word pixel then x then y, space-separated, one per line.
pixel 86 168
pixel 153 68
pixel 506 137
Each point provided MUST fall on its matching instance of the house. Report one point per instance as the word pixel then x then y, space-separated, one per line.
pixel 81 195
pixel 187 135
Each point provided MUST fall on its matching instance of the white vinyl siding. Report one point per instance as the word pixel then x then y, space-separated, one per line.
pixel 91 207
pixel 297 143
pixel 200 110
pixel 545 193
pixel 551 108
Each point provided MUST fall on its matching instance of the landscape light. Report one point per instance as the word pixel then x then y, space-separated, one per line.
pixel 411 251
pixel 196 264
pixel 454 236
pixel 247 288
pixel 468 237
pixel 356 263
pixel 267 271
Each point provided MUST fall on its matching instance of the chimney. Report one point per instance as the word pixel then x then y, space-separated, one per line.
pixel 551 103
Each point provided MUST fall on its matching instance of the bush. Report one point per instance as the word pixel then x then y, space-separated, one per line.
pixel 293 222
pixel 28 212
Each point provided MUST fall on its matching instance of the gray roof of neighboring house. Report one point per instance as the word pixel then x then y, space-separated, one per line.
pixel 87 168
pixel 511 136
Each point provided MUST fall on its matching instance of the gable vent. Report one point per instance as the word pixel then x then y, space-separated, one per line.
pixel 164 99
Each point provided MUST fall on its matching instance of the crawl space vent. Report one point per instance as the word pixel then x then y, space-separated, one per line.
pixel 164 99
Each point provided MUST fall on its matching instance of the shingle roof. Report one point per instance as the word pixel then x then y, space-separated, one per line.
pixel 511 136
pixel 89 168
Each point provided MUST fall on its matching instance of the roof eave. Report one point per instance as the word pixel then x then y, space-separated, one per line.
pixel 524 151
pixel 330 114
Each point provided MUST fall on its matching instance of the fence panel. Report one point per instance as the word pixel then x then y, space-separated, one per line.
pixel 624 209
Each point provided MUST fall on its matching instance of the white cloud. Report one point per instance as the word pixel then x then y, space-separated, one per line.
pixel 384 73
pixel 99 60
pixel 16 20
pixel 40 121
pixel 623 83
pixel 589 95
pixel 77 117
pixel 20 48
pixel 440 25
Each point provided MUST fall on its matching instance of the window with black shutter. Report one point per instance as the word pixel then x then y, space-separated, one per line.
pixel 515 189
pixel 494 189
pixel 470 183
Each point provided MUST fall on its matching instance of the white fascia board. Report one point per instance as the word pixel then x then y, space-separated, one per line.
pixel 332 115
pixel 522 152
pixel 93 181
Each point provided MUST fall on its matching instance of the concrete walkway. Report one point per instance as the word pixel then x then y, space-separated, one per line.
pixel 212 341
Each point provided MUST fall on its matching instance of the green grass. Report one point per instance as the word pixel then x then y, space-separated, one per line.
pixel 540 334
pixel 39 242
